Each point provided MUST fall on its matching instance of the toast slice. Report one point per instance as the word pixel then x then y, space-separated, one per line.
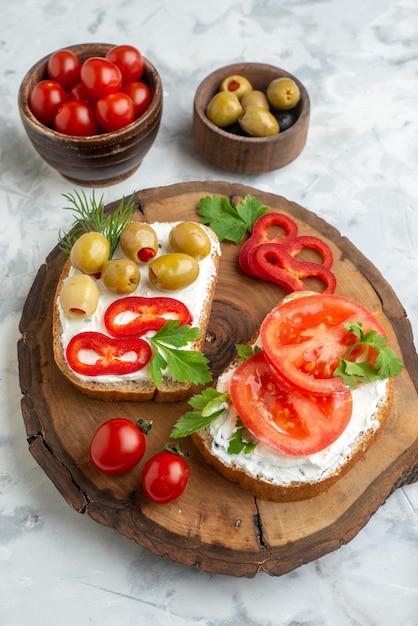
pixel 271 475
pixel 138 387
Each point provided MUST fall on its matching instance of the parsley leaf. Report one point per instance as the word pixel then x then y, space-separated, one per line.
pixel 385 364
pixel 184 365
pixel 208 405
pixel 238 443
pixel 245 351
pixel 229 223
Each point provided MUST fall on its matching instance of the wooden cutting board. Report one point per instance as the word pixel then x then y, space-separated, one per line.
pixel 215 525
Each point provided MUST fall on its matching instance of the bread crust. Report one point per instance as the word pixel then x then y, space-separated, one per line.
pixel 294 491
pixel 133 391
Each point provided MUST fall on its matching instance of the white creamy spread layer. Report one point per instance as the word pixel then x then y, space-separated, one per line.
pixel 277 468
pixel 194 297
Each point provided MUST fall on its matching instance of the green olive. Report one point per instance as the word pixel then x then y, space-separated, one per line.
pixel 239 85
pixel 121 275
pixel 89 252
pixel 258 122
pixel 224 109
pixel 172 271
pixel 257 98
pixel 190 238
pixel 283 93
pixel 79 296
pixel 139 242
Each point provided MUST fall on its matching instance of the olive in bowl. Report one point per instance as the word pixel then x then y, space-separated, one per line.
pixel 230 147
pixel 103 158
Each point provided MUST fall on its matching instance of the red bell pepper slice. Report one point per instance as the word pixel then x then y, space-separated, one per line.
pixel 136 315
pixel 295 245
pixel 261 233
pixel 95 354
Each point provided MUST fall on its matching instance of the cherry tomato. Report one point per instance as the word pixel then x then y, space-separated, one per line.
pixel 100 77
pixel 165 477
pixel 117 446
pixel 75 118
pixel 140 94
pixel 77 92
pixel 136 315
pixel 115 111
pixel 304 338
pixel 45 99
pixel 64 67
pixel 129 60
pixel 281 417
pixel 94 354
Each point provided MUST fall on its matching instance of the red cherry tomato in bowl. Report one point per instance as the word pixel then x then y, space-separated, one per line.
pixel 117 446
pixel 140 94
pixel 114 111
pixel 64 67
pixel 100 77
pixel 129 60
pixel 45 99
pixel 165 477
pixel 75 118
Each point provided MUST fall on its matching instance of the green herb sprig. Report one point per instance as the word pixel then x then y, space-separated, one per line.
pixel 208 405
pixel 227 222
pixel 185 365
pixel 238 441
pixel 354 372
pixel 90 215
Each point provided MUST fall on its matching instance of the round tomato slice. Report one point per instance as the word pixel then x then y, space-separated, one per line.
pixel 304 337
pixel 282 417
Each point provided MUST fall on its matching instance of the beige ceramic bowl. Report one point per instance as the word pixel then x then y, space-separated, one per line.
pixel 237 152
pixel 98 160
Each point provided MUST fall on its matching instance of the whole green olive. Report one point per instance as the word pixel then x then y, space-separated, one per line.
pixel 190 238
pixel 89 252
pixel 239 85
pixel 224 109
pixel 172 271
pixel 121 275
pixel 255 97
pixel 283 93
pixel 79 296
pixel 257 122
pixel 139 242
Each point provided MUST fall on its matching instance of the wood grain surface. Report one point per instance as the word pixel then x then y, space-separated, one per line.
pixel 215 525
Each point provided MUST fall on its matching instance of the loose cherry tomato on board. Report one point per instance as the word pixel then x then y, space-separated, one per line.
pixel 75 118
pixel 143 314
pixel 118 445
pixel 304 337
pixel 140 94
pixel 64 67
pixel 280 416
pixel 129 60
pixel 94 354
pixel 165 476
pixel 100 77
pixel 115 111
pixel 45 99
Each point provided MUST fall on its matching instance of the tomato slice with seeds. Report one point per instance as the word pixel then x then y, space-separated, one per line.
pixel 136 315
pixel 304 337
pixel 281 417
pixel 94 354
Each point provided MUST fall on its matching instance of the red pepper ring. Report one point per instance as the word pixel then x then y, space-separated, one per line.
pixel 276 265
pixel 95 354
pixel 143 314
pixel 295 246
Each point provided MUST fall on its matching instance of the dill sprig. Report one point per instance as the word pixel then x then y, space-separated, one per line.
pixel 90 216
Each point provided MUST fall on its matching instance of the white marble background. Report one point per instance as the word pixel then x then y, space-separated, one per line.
pixel 359 62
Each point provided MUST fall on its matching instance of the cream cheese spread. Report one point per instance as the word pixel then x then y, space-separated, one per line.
pixel 276 468
pixel 194 297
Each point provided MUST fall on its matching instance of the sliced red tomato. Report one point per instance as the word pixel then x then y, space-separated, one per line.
pixel 136 315
pixel 96 354
pixel 304 337
pixel 281 417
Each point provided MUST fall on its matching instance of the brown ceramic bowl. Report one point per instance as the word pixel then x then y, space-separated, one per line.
pixel 97 160
pixel 231 149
